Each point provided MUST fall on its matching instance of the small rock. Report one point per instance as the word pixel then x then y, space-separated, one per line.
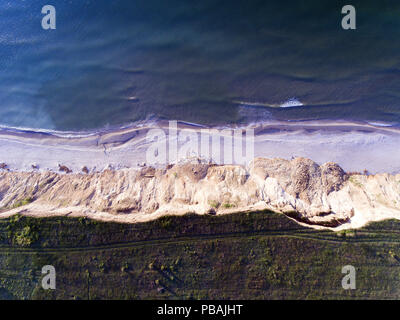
pixel 64 168
pixel 85 170
pixel 148 172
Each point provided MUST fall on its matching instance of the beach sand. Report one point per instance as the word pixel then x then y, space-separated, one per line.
pixel 354 146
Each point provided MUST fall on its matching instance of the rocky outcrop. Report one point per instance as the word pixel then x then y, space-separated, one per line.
pixel 307 192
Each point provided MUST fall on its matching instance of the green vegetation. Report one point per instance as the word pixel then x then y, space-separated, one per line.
pixel 23 202
pixel 214 204
pixel 21 232
pixel 165 222
pixel 259 255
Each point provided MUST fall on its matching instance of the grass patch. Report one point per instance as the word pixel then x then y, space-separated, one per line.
pixel 256 255
pixel 214 204
pixel 23 202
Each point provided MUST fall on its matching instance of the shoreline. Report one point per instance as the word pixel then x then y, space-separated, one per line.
pixel 4 129
pixel 355 146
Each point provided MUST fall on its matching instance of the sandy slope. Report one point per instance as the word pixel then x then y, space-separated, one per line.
pixel 322 195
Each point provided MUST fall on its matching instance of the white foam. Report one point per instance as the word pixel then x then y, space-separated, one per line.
pixel 292 102
pixel 380 124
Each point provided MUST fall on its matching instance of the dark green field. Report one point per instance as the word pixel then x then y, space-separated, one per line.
pixel 259 255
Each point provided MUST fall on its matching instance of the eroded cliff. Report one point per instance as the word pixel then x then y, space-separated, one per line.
pixel 316 195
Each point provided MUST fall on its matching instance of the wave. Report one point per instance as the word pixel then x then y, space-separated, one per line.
pixel 292 102
pixel 381 124
pixel 154 123
pixel 82 133
pixel 50 132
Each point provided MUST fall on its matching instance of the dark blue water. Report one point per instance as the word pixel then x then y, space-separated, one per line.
pixel 210 61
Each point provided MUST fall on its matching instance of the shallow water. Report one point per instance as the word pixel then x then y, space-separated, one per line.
pixel 210 62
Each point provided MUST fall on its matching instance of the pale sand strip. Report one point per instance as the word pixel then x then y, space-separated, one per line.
pixel 354 146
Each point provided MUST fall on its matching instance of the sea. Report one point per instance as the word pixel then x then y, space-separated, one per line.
pixel 113 63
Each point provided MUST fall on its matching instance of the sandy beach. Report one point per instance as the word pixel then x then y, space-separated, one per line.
pixel 354 146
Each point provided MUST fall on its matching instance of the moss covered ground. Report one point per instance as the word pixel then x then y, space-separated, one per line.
pixel 258 255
